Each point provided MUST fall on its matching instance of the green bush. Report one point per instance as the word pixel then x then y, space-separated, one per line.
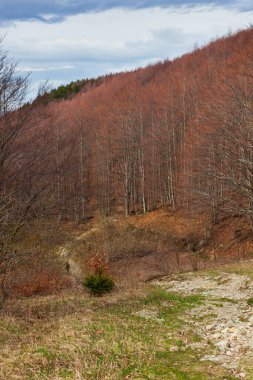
pixel 98 283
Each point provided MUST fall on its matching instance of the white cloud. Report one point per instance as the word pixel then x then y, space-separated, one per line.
pixel 96 43
pixel 37 69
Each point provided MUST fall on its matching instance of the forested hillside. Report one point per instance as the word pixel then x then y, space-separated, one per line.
pixel 177 133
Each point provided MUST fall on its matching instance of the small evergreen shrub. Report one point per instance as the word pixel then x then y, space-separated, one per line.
pixel 99 283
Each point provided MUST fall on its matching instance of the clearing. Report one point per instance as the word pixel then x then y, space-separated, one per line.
pixel 191 326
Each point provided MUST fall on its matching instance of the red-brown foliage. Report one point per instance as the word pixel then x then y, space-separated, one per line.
pixel 42 283
pixel 98 263
pixel 146 138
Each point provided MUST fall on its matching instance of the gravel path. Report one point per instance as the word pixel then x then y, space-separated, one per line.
pixel 224 321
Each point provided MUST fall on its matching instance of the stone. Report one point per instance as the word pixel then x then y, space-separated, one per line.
pixel 222 345
pixel 251 320
pixel 174 349
pixel 211 358
pixel 230 324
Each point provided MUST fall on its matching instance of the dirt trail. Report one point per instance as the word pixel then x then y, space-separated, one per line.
pixel 65 252
pixel 224 321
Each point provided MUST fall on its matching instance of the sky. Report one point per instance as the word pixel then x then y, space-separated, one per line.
pixel 65 40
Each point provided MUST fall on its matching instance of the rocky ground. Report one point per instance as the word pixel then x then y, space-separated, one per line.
pixel 224 321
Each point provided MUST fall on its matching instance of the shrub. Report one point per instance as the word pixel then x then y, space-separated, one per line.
pixel 42 283
pixel 99 283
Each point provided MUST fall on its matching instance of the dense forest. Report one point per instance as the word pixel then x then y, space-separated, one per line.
pixel 178 133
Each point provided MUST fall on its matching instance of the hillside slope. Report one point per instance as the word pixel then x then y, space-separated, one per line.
pixel 176 133
pixel 160 158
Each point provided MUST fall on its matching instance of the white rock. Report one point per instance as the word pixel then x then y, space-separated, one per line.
pixel 222 345
pixel 211 358
pixel 225 331
pixel 174 349
pixel 251 320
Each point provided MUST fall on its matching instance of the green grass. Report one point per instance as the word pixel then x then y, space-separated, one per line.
pixel 159 295
pixel 225 299
pixel 250 301
pixel 82 337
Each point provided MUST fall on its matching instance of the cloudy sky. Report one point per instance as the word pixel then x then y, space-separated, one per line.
pixel 64 40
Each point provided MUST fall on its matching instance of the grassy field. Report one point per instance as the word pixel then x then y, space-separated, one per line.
pixel 137 334
pixel 140 331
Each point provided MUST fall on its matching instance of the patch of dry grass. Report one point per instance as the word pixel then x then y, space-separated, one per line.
pixel 78 337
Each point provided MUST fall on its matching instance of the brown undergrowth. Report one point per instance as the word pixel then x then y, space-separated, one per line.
pixel 139 249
